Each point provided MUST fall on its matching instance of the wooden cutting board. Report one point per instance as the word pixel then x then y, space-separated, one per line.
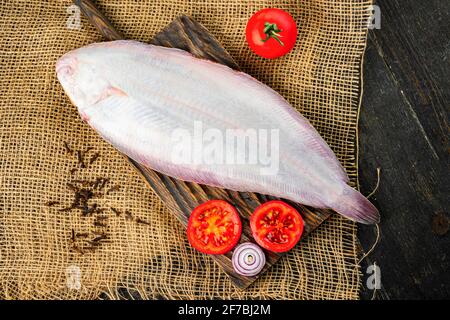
pixel 182 197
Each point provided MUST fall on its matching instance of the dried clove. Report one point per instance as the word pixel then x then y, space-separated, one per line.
pixel 100 210
pixel 117 212
pixel 85 193
pixel 72 187
pixel 139 220
pixel 129 215
pixel 103 183
pixel 66 209
pixel 67 148
pixel 51 203
pixel 91 248
pixel 96 182
pixel 93 244
pixel 100 238
pixel 76 200
pixel 80 159
pixel 77 249
pixel 87 211
pixel 99 224
pixel 98 233
pixel 94 158
pixel 114 188
pixel 87 150
pixel 82 235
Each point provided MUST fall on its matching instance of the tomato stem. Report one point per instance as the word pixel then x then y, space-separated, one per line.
pixel 272 31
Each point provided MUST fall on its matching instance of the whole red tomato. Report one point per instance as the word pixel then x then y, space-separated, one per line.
pixel 271 33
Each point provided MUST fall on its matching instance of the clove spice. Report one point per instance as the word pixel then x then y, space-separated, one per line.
pixel 84 194
pixel 94 158
pixel 80 159
pixel 113 188
pixel 67 148
pixel 117 212
pixel 51 203
pixel 128 215
pixel 139 220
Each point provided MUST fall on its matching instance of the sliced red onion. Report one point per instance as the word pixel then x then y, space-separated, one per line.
pixel 248 259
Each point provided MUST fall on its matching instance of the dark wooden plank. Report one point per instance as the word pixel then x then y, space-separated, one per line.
pixel 98 20
pixel 182 197
pixel 404 130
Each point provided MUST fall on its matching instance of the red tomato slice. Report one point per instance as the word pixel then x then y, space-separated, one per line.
pixel 271 33
pixel 214 227
pixel 276 226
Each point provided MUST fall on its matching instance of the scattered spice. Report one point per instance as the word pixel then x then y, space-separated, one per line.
pixel 114 188
pixel 128 215
pixel 139 220
pixel 117 212
pixel 87 211
pixel 82 235
pixel 96 183
pixel 100 238
pixel 67 148
pixel 66 209
pixel 100 210
pixel 76 200
pixel 51 203
pixel 77 249
pixel 94 157
pixel 87 150
pixel 98 233
pixel 80 159
pixel 102 184
pixel 84 194
pixel 94 244
pixel 72 187
pixel 99 224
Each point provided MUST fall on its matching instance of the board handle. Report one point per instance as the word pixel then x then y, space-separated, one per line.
pixel 98 20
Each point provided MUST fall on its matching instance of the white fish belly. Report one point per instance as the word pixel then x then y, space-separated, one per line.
pixel 151 102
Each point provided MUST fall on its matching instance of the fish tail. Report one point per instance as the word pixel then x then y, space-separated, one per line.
pixel 354 206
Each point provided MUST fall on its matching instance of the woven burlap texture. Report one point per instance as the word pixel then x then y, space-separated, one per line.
pixel 321 78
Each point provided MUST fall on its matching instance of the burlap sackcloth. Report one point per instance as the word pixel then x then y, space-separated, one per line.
pixel 321 78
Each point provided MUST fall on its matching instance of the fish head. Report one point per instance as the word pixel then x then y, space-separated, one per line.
pixel 80 74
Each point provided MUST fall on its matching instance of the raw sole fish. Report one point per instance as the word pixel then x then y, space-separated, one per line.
pixel 172 112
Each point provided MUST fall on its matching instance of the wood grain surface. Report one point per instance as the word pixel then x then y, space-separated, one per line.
pixel 182 197
pixel 404 131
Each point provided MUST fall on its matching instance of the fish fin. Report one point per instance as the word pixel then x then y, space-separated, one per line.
pixel 313 139
pixel 354 206
pixel 325 152
pixel 316 142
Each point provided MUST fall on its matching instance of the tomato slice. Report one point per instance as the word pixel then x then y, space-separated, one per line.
pixel 276 226
pixel 214 227
pixel 271 33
